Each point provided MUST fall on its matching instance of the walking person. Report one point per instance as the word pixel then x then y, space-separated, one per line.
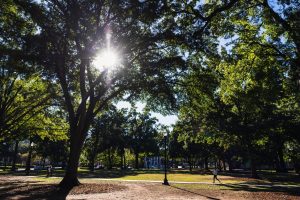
pixel 49 171
pixel 215 173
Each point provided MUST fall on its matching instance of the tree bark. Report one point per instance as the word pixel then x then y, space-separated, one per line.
pixel 136 160
pixel 125 167
pixel 190 164
pixel 44 162
pixel 28 161
pixel 92 160
pixel 109 159
pixel 70 179
pixel 122 164
pixel 230 166
pixel 206 163
pixel 280 164
pixel 253 168
pixel 224 164
pixel 13 166
pixel 219 165
pixel 5 162
pixel 94 152
pixel 296 163
pixel 92 163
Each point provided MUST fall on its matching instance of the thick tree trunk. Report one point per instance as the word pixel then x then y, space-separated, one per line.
pixel 121 161
pixel 206 163
pixel 224 164
pixel 280 164
pixel 296 162
pixel 28 161
pixel 109 159
pixel 44 162
pixel 70 179
pixel 5 162
pixel 190 167
pixel 122 155
pixel 253 168
pixel 136 160
pixel 190 164
pixel 219 165
pixel 13 166
pixel 94 152
pixel 63 165
pixel 230 166
pixel 125 166
pixel 92 163
pixel 92 160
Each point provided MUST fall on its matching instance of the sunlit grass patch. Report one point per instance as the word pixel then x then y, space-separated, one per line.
pixel 178 177
pixel 47 180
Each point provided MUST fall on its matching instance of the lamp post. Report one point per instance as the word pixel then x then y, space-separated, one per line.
pixel 165 141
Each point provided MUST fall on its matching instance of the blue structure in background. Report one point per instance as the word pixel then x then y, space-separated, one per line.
pixel 153 162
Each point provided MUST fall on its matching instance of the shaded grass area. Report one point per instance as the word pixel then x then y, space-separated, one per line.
pixel 281 178
pixel 261 189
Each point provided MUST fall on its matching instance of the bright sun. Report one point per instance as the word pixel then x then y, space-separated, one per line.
pixel 106 59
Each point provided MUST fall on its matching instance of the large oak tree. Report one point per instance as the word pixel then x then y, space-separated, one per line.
pixel 64 40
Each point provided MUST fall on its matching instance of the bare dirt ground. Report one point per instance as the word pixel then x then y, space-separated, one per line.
pixel 20 187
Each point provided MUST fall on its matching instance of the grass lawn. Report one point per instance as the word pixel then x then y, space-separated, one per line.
pixel 267 177
pixel 180 177
pixel 150 175
pixel 174 175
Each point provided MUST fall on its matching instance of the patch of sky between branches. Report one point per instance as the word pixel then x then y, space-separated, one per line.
pixel 167 120
pixel 226 43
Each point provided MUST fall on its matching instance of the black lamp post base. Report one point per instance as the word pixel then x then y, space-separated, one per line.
pixel 165 182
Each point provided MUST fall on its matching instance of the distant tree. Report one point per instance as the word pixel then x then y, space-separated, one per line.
pixel 107 133
pixel 55 151
pixel 142 134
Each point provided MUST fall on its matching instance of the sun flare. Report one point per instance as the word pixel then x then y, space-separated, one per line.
pixel 106 59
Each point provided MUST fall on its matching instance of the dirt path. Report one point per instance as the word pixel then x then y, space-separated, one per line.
pixel 142 191
pixel 21 187
pixel 137 192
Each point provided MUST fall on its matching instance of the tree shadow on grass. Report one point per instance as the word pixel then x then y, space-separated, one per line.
pixel 289 178
pixel 102 173
pixel 31 190
pixel 195 193
pixel 250 187
pixel 108 174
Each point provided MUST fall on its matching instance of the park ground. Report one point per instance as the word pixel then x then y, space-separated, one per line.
pixel 146 184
